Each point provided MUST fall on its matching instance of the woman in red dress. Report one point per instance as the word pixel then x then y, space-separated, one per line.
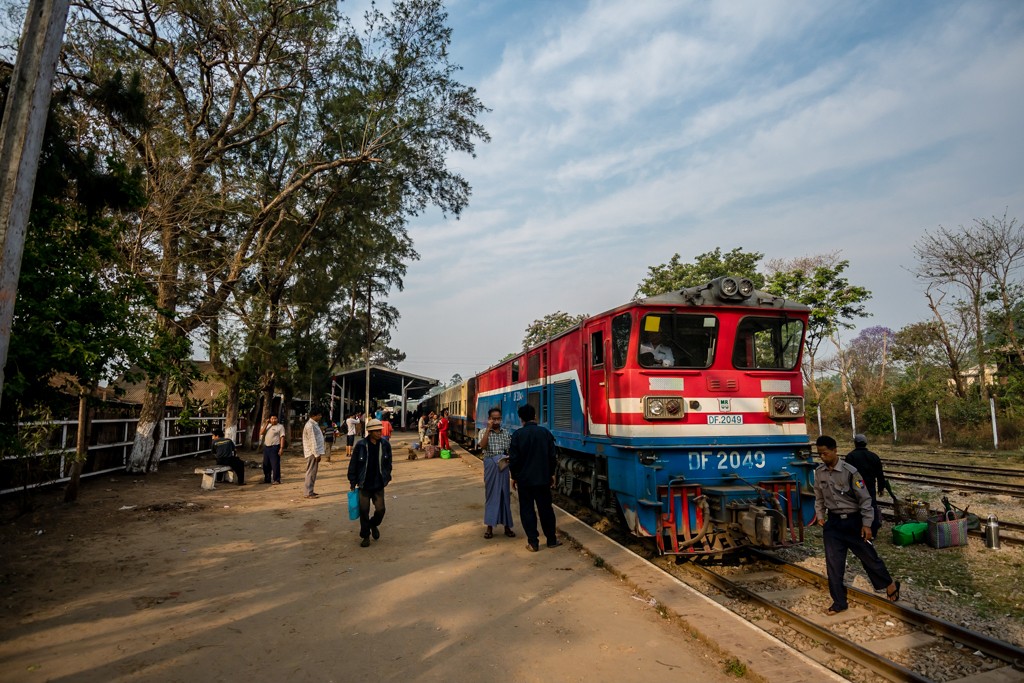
pixel 442 431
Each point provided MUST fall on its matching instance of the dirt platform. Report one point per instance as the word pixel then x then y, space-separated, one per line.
pixel 152 579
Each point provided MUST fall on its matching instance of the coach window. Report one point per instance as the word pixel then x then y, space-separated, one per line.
pixel 515 370
pixel 596 349
pixel 768 344
pixel 622 324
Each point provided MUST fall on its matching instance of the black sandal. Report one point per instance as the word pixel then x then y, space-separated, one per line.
pixel 510 533
pixel 488 534
pixel 895 595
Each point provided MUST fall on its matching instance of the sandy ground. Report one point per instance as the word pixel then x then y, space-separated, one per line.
pixel 151 579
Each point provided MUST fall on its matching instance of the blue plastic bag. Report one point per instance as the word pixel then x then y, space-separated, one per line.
pixel 353 504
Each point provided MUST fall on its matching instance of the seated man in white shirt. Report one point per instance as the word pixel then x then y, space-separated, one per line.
pixel 661 354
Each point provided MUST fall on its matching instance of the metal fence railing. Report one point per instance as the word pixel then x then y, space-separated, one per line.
pixel 110 446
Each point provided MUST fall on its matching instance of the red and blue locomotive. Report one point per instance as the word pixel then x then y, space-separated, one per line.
pixel 684 411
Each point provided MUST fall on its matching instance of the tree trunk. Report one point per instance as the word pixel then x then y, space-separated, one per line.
pixel 144 454
pixel 148 439
pixel 81 448
pixel 231 409
pixel 948 347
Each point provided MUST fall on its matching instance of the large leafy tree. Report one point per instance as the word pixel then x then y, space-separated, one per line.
pixel 549 326
pixel 266 120
pixel 706 267
pixel 834 303
pixel 973 275
pixel 869 357
pixel 76 315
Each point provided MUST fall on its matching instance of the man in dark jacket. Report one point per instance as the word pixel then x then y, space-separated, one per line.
pixel 531 461
pixel 369 470
pixel 869 465
pixel 224 451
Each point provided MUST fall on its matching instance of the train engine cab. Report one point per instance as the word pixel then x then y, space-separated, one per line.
pixel 684 411
pixel 698 419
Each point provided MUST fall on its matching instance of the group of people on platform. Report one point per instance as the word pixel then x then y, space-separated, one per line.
pixel 434 429
pixel 846 491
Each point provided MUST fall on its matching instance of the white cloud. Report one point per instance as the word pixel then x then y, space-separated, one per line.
pixel 626 132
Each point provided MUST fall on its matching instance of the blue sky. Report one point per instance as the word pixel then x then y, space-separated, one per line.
pixel 625 131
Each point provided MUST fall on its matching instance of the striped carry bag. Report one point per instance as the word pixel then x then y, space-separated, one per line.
pixel 947 530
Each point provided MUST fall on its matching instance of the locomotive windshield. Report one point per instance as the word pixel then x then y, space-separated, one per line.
pixel 677 341
pixel 768 344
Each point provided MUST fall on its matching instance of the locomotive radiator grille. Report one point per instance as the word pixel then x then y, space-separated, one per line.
pixel 562 394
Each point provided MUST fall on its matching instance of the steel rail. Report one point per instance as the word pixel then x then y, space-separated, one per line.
pixel 852 651
pixel 974 469
pixel 952 482
pixel 1007 652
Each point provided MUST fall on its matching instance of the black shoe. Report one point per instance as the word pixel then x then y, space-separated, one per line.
pixel 365 543
pixel 375 532
pixel 532 547
pixel 555 544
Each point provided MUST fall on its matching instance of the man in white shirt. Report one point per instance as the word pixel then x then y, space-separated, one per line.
pixel 351 431
pixel 273 443
pixel 662 354
pixel 312 449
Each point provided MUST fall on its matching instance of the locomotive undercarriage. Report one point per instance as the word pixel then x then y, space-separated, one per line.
pixel 714 520
pixel 692 519
pixel 586 477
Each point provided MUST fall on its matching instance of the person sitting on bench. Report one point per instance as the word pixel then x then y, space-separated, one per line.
pixel 224 450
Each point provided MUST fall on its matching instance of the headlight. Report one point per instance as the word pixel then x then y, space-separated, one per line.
pixel 785 406
pixel 663 407
pixel 729 286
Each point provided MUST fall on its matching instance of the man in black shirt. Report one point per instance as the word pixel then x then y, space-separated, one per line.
pixel 869 465
pixel 224 450
pixel 532 463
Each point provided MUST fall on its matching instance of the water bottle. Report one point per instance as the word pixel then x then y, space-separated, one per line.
pixel 992 533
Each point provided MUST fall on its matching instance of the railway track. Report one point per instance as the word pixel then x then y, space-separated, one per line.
pixel 993 487
pixel 920 645
pixel 962 469
pixel 913 645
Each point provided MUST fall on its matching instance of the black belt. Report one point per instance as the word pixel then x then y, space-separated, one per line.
pixel 840 515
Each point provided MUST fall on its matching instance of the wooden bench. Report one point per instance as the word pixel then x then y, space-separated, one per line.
pixel 215 473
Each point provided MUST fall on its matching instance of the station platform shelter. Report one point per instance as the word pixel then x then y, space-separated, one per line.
pixel 351 384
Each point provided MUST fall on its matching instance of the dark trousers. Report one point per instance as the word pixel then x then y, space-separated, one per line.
pixel 272 463
pixel 366 522
pixel 840 536
pixel 236 464
pixel 539 496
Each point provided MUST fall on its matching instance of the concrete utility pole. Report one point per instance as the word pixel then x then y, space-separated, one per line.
pixel 21 136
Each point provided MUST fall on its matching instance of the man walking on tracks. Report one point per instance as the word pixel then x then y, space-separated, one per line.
pixel 369 470
pixel 313 449
pixel 531 461
pixel 870 467
pixel 842 505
